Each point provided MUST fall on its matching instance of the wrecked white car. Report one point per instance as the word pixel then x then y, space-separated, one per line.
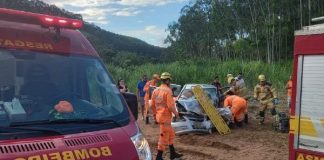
pixel 192 116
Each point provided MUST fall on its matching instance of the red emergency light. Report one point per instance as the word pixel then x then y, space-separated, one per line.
pixel 39 19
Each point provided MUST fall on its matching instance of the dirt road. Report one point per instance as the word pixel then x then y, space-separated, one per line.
pixel 251 142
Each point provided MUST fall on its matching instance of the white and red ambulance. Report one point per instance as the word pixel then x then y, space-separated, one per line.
pixel 306 138
pixel 57 99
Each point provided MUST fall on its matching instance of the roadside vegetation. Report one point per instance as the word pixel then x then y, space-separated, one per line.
pixel 204 70
pixel 209 38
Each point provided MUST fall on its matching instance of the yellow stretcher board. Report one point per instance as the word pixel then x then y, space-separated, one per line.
pixel 210 110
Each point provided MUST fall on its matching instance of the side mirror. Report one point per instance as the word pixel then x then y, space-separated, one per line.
pixel 131 100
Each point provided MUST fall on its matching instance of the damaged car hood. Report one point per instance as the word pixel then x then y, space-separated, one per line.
pixel 192 106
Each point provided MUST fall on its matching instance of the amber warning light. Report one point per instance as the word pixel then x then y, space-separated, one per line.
pixel 39 19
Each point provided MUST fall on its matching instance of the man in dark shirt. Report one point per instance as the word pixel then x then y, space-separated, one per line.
pixel 141 93
pixel 217 84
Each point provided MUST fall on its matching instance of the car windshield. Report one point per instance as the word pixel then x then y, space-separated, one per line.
pixel 187 94
pixel 47 87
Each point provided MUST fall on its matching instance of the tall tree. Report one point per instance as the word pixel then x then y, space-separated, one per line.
pixel 245 29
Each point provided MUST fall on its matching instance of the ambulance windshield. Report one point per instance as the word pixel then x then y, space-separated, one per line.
pixel 44 87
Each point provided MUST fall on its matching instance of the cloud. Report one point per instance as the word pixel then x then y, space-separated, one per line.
pixel 58 4
pixel 151 34
pixel 98 3
pixel 98 12
pixel 151 28
pixel 93 10
pixel 100 15
pixel 147 2
pixel 81 3
pixel 95 15
pixel 126 12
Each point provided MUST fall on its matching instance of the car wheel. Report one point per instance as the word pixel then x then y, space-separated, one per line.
pixel 210 131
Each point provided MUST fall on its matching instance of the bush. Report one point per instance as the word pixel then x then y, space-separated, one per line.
pixel 203 71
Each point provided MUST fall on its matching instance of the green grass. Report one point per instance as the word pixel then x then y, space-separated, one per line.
pixel 203 71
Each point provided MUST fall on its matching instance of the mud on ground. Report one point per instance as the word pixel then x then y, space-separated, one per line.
pixel 251 142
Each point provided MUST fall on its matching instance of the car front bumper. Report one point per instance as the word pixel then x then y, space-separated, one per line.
pixel 186 125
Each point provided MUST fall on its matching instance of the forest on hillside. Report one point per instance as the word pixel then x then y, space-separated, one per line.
pixel 249 30
pixel 114 48
pixel 261 30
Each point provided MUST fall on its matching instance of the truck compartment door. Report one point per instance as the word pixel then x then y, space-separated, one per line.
pixel 310 103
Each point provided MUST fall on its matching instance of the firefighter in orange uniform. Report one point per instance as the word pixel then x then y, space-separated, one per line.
pixel 163 106
pixel 147 97
pixel 238 106
pixel 289 91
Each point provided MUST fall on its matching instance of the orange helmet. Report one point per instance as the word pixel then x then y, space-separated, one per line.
pixel 64 107
pixel 156 76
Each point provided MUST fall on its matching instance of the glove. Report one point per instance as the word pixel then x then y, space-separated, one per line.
pixel 176 118
pixel 275 101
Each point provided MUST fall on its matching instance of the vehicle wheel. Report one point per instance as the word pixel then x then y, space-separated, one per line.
pixel 210 131
pixel 231 125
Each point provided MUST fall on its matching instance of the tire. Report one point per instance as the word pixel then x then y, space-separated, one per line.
pixel 210 131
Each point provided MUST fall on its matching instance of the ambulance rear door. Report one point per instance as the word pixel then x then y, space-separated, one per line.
pixel 309 118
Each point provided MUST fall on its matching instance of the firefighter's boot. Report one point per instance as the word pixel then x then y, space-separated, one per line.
pixel 159 155
pixel 275 115
pixel 147 120
pixel 261 113
pixel 173 153
pixel 246 118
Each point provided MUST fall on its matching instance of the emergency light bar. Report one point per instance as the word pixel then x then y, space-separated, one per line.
pixel 39 19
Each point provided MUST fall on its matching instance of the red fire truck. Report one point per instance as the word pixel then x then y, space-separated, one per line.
pixel 306 138
pixel 57 100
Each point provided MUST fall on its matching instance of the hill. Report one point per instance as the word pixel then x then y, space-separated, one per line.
pixel 114 48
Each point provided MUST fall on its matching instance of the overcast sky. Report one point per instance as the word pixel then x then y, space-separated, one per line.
pixel 143 19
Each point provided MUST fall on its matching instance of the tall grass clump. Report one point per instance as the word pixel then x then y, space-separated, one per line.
pixel 203 71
